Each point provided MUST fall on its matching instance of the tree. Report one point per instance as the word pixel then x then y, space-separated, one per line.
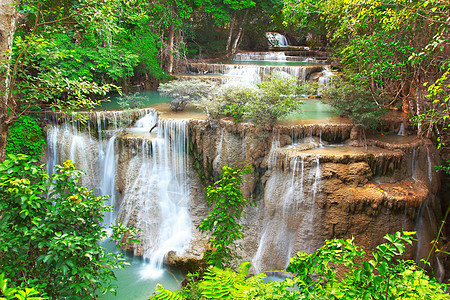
pixel 223 221
pixel 28 78
pixel 49 232
pixel 184 91
pixel 263 103
pixel 8 20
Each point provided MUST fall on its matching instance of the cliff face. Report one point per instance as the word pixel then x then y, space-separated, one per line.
pixel 309 187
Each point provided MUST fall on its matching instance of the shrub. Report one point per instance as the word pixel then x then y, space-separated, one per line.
pixel 25 136
pixel 49 231
pixel 223 221
pixel 263 103
pixel 184 91
pixel 355 101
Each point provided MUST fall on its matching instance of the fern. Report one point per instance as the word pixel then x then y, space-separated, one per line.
pixel 216 284
pixel 162 294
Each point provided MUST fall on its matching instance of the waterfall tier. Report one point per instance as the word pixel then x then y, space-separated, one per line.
pixel 302 73
pixel 311 185
pixel 147 177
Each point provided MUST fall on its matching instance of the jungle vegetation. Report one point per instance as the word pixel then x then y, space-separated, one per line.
pixel 63 55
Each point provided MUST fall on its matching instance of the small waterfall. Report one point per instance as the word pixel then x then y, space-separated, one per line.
pixel 156 201
pixel 414 164
pixel 430 167
pixel 276 39
pixel 108 177
pixel 289 200
pixel 327 77
pixel 401 130
pixel 52 142
pixel 259 56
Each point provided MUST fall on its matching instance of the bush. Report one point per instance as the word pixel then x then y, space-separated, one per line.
pixel 263 103
pixel 26 137
pixel 49 231
pixel 184 91
pixel 355 101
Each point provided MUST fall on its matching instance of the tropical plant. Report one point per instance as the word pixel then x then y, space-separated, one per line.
pixel 224 220
pixel 49 232
pixel 14 293
pixel 337 270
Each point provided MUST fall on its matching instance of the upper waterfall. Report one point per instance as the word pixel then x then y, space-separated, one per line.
pixel 276 39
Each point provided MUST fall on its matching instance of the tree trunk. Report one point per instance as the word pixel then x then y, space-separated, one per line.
pixel 171 38
pixel 8 19
pixel 230 35
pixel 238 37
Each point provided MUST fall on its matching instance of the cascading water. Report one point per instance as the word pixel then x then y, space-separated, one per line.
pixel 159 192
pixel 326 78
pixel 156 200
pixel 108 177
pixel 289 203
pixel 258 56
pixel 276 39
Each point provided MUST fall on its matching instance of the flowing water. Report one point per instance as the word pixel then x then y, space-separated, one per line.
pixel 158 194
pixel 276 39
pixel 289 204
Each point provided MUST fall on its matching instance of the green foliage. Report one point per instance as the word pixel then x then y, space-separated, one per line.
pixel 445 167
pixel 49 231
pixel 25 136
pixel 355 101
pixel 184 91
pixel 144 43
pixel 130 101
pixel 437 115
pixel 13 293
pixel 223 221
pixel 228 284
pixel 263 103
pixel 39 79
pixel 397 47
pixel 337 270
pixel 162 294
pixel 110 63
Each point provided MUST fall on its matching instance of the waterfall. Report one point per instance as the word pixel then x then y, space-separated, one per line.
pixel 108 177
pixel 401 130
pixel 289 200
pixel 156 196
pixel 276 39
pixel 156 200
pixel 326 78
pixel 430 166
pixel 259 56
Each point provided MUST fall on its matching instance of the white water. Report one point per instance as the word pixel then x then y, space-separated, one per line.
pixel 401 130
pixel 108 178
pixel 251 73
pixel 156 201
pixel 258 56
pixel 326 80
pixel 289 201
pixel 276 39
pixel 430 167
pixel 159 190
